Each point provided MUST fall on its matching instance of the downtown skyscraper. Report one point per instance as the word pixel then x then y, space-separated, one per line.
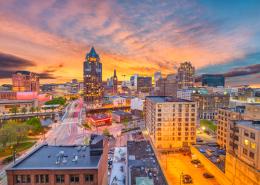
pixel 93 89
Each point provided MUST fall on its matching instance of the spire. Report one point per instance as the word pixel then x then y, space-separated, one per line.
pixel 92 53
pixel 114 72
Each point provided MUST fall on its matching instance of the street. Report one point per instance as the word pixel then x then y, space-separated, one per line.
pixel 175 164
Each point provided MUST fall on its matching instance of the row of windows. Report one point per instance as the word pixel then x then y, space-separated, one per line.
pixel 44 178
pixel 173 138
pixel 251 154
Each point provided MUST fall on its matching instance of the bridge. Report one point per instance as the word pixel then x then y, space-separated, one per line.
pixel 104 109
pixel 21 116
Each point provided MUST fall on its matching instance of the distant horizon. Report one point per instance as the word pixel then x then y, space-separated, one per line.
pixel 52 38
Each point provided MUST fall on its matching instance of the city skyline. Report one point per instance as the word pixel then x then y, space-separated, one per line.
pixel 53 37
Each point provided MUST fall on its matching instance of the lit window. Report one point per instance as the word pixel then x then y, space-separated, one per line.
pixel 246 142
pixel 253 145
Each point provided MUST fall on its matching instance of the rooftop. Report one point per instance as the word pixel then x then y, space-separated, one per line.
pixel 162 99
pixel 254 124
pixel 142 162
pixel 121 113
pixel 63 157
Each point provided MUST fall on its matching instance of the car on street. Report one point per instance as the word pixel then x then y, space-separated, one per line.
pixel 208 175
pixel 186 179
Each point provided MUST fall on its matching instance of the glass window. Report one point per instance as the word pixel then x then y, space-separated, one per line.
pixel 246 142
pixel 252 155
pixel 253 145
pixel 74 178
pixel 244 151
pixel 43 178
pixel 252 135
pixel 59 178
pixel 89 177
pixel 22 179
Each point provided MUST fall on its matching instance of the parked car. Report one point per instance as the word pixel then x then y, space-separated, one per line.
pixel 208 175
pixel 195 161
pixel 186 179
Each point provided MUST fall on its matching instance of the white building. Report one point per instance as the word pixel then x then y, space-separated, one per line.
pixel 137 104
pixel 170 122
pixel 185 94
pixel 118 101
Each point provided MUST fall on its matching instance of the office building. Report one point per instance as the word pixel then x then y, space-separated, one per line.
pixel 243 153
pixel 166 86
pixel 112 84
pixel 144 84
pixel 157 76
pixel 224 117
pixel 208 104
pixel 25 81
pixel 93 89
pixel 63 165
pixel 213 80
pixel 133 82
pixel 185 75
pixel 171 122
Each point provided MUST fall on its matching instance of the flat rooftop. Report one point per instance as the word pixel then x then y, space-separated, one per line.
pixel 142 162
pixel 59 157
pixel 121 113
pixel 249 123
pixel 162 99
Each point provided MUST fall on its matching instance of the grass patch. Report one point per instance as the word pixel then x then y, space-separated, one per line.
pixel 208 124
pixel 19 148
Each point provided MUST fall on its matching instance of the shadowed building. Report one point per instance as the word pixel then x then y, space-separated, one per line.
pixel 25 81
pixel 93 89
pixel 185 75
pixel 213 80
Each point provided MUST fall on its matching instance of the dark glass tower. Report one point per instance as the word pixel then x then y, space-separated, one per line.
pixel 93 90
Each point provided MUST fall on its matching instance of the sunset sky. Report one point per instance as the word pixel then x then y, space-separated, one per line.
pixel 52 37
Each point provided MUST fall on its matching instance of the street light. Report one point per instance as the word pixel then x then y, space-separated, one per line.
pixel 203 128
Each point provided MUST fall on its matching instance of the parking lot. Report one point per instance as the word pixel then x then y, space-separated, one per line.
pixel 176 164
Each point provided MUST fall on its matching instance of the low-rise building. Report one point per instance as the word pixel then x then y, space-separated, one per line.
pixel 6 106
pixel 171 122
pixel 97 120
pixel 142 165
pixel 63 165
pixel 120 116
pixel 208 104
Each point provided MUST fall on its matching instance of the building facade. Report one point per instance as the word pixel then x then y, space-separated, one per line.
pixel 93 89
pixel 144 84
pixel 166 86
pixel 171 122
pixel 185 75
pixel 83 165
pixel 25 81
pixel 208 104
pixel 224 117
pixel 243 152
pixel 213 80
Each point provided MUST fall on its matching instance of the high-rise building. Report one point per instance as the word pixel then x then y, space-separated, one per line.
pixel 166 86
pixel 227 115
pixel 213 80
pixel 224 117
pixel 185 75
pixel 144 84
pixel 243 152
pixel 157 76
pixel 93 89
pixel 25 81
pixel 171 122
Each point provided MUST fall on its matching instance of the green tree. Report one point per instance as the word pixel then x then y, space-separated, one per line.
pixel 24 110
pixel 35 124
pixel 37 109
pixel 14 109
pixel 32 109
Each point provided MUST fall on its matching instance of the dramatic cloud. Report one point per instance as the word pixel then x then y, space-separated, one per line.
pixel 10 63
pixel 131 36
